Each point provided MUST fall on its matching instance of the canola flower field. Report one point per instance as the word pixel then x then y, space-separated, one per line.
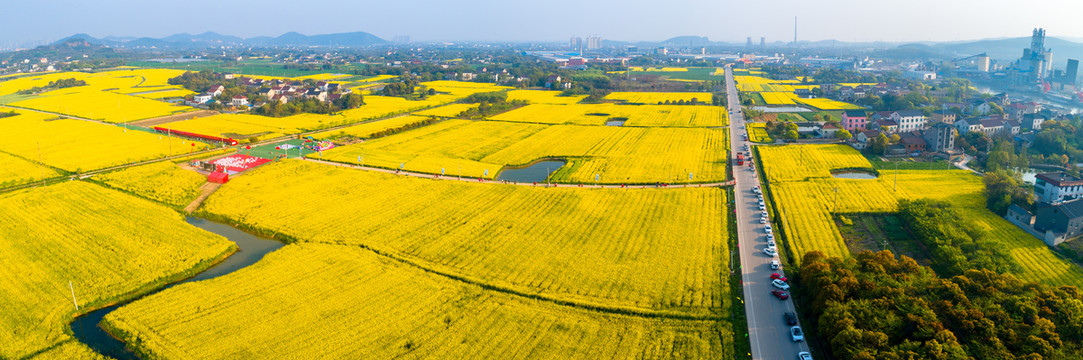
pixel 367 130
pixel 320 293
pixel 802 187
pixel 651 98
pixel 543 97
pixel 105 97
pixel 450 110
pixel 17 171
pixel 600 247
pixel 107 243
pixel 161 181
pixel 636 115
pixel 779 98
pixel 828 104
pixel 757 132
pixel 81 145
pixel 631 155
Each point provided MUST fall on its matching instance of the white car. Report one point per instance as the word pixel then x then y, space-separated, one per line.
pixel 763 220
pixel 780 284
pixel 797 334
pixel 770 243
pixel 775 265
pixel 770 251
pixel 771 237
pixel 804 355
pixel 763 213
pixel 761 207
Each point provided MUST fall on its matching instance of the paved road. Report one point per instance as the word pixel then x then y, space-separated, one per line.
pixel 768 334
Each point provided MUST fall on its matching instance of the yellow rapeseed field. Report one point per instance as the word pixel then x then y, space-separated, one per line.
pixel 107 243
pixel 757 132
pixel 451 110
pixel 778 98
pixel 617 154
pixel 591 246
pixel 343 302
pixel 803 188
pixel 83 145
pixel 367 130
pixel 658 97
pixel 161 181
pixel 16 171
pixel 657 69
pixel 105 97
pixel 543 97
pixel 636 115
pixel 828 104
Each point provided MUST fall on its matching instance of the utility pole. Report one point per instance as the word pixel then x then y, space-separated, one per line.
pixel 895 187
pixel 836 206
pixel 73 296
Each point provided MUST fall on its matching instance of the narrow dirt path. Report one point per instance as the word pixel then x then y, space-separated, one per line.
pixel 204 191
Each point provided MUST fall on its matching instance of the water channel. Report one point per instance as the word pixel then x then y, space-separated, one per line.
pixel 860 175
pixel 536 172
pixel 250 249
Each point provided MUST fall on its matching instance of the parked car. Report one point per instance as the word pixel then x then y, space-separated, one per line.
pixel 776 276
pixel 763 213
pixel 804 355
pixel 775 265
pixel 797 334
pixel 763 220
pixel 770 251
pixel 762 207
pixel 771 243
pixel 767 229
pixel 781 295
pixel 791 318
pixel 780 284
pixel 771 237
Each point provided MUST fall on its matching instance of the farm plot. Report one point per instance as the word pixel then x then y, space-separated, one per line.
pixel 375 128
pixel 659 97
pixel 18 171
pixel 451 110
pixel 616 154
pixel 100 105
pixel 761 84
pixel 828 104
pixel 778 98
pixel 346 302
pixel 161 181
pixel 110 245
pixel 635 115
pixel 543 97
pixel 757 132
pixel 601 247
pixel 77 145
pixel 803 189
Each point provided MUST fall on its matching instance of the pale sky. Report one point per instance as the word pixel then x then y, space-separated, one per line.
pixel 551 20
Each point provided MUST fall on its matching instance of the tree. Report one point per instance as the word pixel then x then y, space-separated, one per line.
pixel 791 135
pixel 843 135
pixel 878 145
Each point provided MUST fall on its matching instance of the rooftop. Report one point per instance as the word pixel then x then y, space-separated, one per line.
pixel 1059 179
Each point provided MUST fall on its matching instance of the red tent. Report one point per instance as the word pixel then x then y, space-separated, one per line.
pixel 218 177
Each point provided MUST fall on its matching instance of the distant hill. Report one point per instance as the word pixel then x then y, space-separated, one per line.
pixel 70 47
pixel 1012 48
pixel 688 41
pixel 208 39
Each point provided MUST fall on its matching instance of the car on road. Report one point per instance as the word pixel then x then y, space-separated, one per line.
pixel 791 318
pixel 780 284
pixel 776 276
pixel 770 251
pixel 797 334
pixel 775 265
pixel 804 355
pixel 781 295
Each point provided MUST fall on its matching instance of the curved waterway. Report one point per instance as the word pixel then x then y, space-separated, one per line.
pixel 250 248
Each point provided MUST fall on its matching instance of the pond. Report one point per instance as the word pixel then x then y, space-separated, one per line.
pixel 250 249
pixel 615 122
pixel 536 172
pixel 854 174
pixel 781 109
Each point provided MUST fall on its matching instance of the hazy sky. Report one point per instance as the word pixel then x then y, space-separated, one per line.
pixel 551 20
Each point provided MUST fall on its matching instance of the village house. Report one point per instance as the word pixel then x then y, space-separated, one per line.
pixel 854 120
pixel 1055 187
pixel 239 100
pixel 943 116
pixel 967 125
pixel 909 120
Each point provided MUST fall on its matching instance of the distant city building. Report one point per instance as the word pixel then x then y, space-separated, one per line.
pixel 763 41
pixel 594 43
pixel 575 43
pixel 749 42
pixel 1036 59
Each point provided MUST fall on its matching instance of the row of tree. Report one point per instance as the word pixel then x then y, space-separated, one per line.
pixel 53 85
pixel 310 105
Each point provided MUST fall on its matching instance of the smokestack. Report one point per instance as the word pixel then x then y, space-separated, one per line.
pixel 794 31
